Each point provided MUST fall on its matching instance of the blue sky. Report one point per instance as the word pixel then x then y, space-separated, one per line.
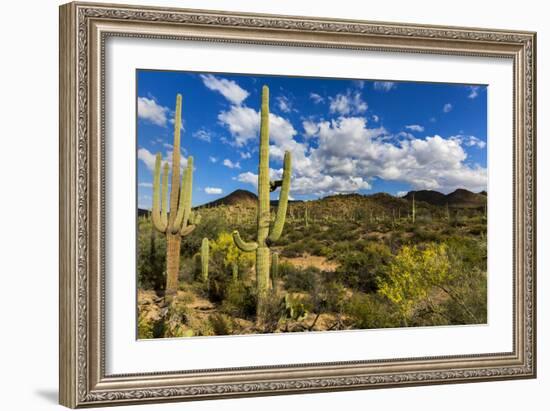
pixel 345 135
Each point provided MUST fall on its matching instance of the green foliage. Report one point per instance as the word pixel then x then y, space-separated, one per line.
pixel 151 251
pixel 362 270
pixel 371 311
pixel 240 300
pixel 221 324
pixel 298 279
pixel 413 274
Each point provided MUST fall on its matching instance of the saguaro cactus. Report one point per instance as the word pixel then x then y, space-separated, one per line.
pixel 265 236
pixel 274 269
pixel 205 248
pixel 179 221
pixel 306 215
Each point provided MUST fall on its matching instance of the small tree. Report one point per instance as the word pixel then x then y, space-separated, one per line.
pixel 224 249
pixel 413 274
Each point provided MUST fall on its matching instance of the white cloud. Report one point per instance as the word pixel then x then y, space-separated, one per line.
pixel 317 98
pixel 212 159
pixel 203 135
pixel 285 105
pixel 145 185
pixel 310 128
pixel 149 159
pixel 213 190
pixel 230 164
pixel 359 83
pixel 348 148
pixel 474 92
pixel 249 178
pixel 149 110
pixel 243 123
pixel 245 155
pixel 469 141
pixel 401 193
pixel 375 118
pixel 227 88
pixel 415 127
pixel 384 85
pixel 447 107
pixel 348 103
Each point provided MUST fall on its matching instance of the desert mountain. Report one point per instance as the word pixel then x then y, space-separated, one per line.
pixel 458 198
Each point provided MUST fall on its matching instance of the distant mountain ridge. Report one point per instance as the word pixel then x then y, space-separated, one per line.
pixel 458 198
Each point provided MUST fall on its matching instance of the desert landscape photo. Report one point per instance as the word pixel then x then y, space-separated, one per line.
pixel 272 204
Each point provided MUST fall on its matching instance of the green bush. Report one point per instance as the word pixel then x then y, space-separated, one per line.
pixel 361 270
pixel 240 300
pixel 371 311
pixel 221 324
pixel 298 279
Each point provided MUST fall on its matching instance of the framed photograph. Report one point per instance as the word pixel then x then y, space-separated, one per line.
pixel 259 204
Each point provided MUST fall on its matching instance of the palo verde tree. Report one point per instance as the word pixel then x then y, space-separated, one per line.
pixel 179 221
pixel 266 235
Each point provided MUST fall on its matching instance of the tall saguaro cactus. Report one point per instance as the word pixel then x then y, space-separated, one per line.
pixel 265 236
pixel 179 221
pixel 205 248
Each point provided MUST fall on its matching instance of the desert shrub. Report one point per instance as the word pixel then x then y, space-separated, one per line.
pixel 178 317
pixel 151 255
pixel 413 274
pixel 240 300
pixel 371 311
pixel 361 270
pixel 221 324
pixel 298 279
pixel 270 312
pixel 294 249
pixel 145 327
pixel 330 298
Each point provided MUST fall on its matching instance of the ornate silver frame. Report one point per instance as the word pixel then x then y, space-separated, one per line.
pixel 83 30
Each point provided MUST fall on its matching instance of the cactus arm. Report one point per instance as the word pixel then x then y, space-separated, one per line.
pixel 243 245
pixel 156 212
pixel 277 228
pixel 184 205
pixel 187 230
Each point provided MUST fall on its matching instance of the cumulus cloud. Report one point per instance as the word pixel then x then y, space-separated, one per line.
pixel 149 110
pixel 348 103
pixel 149 158
pixel 384 85
pixel 375 118
pixel 310 128
pixel 469 141
pixel 284 104
pixel 415 127
pixel 317 98
pixel 348 148
pixel 244 124
pixel 447 107
pixel 203 135
pixel 212 159
pixel 230 164
pixel 213 190
pixel 227 88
